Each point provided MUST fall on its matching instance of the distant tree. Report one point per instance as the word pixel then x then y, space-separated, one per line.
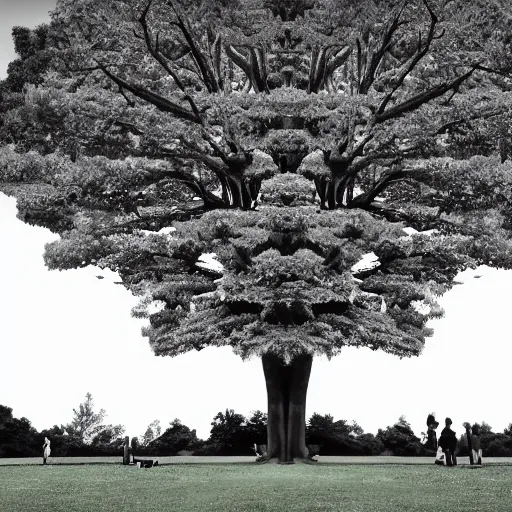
pixel 152 432
pixel 319 423
pixel 34 54
pixel 176 438
pixel 508 430
pixel 256 427
pixel 400 439
pixel 5 414
pixel 17 436
pixel 33 50
pixel 496 445
pixel 109 439
pixel 484 428
pixel 356 429
pixel 336 437
pixel 86 423
pixel 229 434
pixel 370 444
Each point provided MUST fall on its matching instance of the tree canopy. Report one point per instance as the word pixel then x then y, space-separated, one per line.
pixel 380 119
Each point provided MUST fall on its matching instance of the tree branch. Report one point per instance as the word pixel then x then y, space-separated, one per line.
pixel 216 54
pixel 372 63
pixel 365 199
pixel 158 101
pixel 359 148
pixel 209 161
pixel 258 68
pixel 208 76
pixel 129 126
pixel 250 67
pixel 154 50
pixel 210 200
pixel 450 124
pixel 130 102
pixel 242 63
pixel 318 69
pixel 418 222
pixel 420 54
pixel 180 213
pixel 424 97
pixel 337 60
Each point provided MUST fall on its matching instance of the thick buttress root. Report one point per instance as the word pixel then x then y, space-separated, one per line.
pixel 287 387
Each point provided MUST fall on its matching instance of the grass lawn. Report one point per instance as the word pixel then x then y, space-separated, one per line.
pixel 250 487
pixel 324 459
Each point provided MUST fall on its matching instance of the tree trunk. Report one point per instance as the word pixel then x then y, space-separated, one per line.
pixel 287 387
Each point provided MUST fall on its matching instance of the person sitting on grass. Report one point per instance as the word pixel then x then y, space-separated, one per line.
pixel 146 463
pixel 448 442
pixel 260 451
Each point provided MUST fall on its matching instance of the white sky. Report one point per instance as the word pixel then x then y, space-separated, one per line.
pixel 63 334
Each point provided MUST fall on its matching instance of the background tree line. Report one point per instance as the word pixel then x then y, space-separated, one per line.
pixel 231 434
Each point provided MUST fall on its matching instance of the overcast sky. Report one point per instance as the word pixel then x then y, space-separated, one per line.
pixel 63 334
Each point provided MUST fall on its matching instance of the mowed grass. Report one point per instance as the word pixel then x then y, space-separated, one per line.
pixel 251 487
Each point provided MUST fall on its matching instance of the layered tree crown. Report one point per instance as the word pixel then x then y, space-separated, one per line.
pixel 289 140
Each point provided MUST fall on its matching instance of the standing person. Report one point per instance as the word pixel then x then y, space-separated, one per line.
pixel 475 445
pixel 448 443
pixel 46 449
pixel 432 424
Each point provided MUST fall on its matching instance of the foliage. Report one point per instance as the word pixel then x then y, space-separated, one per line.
pixel 339 437
pixel 17 436
pixel 86 423
pixel 228 435
pixel 399 439
pixel 34 56
pixel 33 50
pixel 152 432
pixel 130 155
pixel 231 434
pixel 110 439
pixel 175 439
pixel 256 427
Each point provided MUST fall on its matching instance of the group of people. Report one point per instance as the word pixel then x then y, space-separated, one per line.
pixel 447 443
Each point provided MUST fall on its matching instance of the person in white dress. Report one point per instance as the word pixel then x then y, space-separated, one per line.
pixel 46 449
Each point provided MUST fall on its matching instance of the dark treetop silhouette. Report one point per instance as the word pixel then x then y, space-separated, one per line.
pixel 310 133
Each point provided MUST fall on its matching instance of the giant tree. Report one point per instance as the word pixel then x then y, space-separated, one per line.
pixel 288 139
